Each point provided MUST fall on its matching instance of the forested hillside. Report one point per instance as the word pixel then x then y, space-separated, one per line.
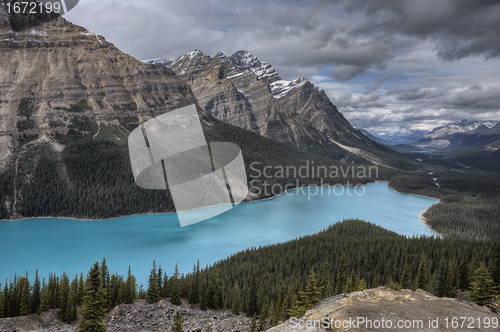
pixel 281 281
pixel 92 176
pixel 469 202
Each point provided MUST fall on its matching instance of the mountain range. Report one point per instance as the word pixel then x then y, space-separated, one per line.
pixel 69 99
pixel 464 145
pixel 395 138
pixel 457 135
pixel 246 92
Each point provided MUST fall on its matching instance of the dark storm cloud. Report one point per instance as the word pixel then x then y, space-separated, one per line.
pixel 474 98
pixel 298 37
pixel 460 28
pixel 429 44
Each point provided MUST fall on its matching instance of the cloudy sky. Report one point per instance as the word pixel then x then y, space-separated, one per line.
pixel 388 65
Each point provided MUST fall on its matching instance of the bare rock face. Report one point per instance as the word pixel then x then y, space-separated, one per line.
pixel 249 93
pixel 58 70
pixel 412 311
pixel 139 316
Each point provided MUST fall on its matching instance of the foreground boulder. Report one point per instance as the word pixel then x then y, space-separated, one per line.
pixel 383 309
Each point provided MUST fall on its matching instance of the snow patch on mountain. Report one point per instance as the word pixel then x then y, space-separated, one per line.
pixel 466 125
pixel 281 88
pixel 158 61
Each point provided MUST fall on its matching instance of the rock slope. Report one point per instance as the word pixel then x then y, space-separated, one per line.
pixel 139 316
pixel 247 92
pixel 413 309
pixel 57 65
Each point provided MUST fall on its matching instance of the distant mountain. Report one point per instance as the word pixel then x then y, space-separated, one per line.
pixel 463 145
pixel 374 138
pixel 246 92
pixel 404 137
pixel 459 135
pixel 395 138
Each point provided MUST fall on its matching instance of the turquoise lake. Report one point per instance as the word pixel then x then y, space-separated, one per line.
pixel 59 245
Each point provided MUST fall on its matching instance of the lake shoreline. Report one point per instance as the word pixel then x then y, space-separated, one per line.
pixel 422 219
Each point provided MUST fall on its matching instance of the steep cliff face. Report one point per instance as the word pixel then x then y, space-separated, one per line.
pixel 249 93
pixel 55 71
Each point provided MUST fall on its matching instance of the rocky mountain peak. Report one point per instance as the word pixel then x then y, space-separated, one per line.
pixel 221 57
pixel 158 61
pixel 466 125
pixel 192 60
pixel 247 62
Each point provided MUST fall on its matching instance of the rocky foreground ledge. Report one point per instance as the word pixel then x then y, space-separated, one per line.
pixel 382 309
pixel 139 316
pixel 385 308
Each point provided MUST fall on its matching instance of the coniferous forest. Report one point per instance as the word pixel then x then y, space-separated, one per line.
pixel 276 282
pixel 93 295
pixel 92 178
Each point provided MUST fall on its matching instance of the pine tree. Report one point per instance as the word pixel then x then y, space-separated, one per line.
pixel 25 308
pixel 105 279
pixel 252 302
pixel 217 283
pixel 483 287
pixel 6 301
pixel 325 283
pixel 463 275
pixel 351 283
pixel 130 293
pixel 71 315
pixel 178 323
pixel 405 277
pixel 236 301
pixel 203 299
pixel 165 288
pixel 174 284
pixel 159 283
pixel 81 291
pixel 311 295
pixel 64 300
pixel 443 279
pixel 195 285
pixel 422 278
pixel 2 315
pixel 253 327
pixel 35 298
pixel 94 308
pixel 154 293
pixel 341 275
pixel 44 299
pixel 264 314
pixel 496 265
pixel 361 285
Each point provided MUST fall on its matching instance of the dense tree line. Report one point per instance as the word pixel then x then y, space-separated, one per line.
pixel 93 179
pixel 95 295
pixel 469 202
pixel 281 281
